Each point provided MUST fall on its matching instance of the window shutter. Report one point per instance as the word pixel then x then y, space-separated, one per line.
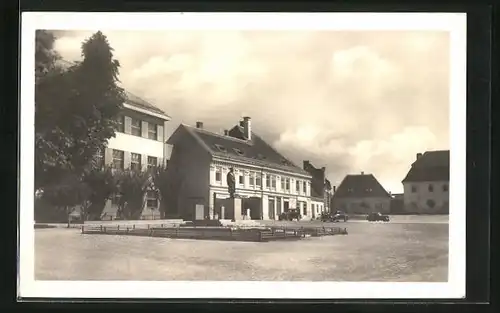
pixel 108 156
pixel 144 129
pixel 128 125
pixel 126 159
pixel 159 130
pixel 144 162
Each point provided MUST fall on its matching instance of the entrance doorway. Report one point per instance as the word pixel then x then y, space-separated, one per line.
pixel 286 205
pixel 271 209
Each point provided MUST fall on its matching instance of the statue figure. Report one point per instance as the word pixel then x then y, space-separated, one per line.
pixel 231 183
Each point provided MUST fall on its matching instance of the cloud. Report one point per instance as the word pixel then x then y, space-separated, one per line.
pixel 351 101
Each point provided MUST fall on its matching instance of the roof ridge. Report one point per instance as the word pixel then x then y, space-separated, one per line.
pixel 218 135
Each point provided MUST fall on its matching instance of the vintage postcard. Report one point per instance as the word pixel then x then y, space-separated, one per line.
pixel 242 155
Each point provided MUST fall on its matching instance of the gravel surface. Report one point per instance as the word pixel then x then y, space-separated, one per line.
pixel 410 252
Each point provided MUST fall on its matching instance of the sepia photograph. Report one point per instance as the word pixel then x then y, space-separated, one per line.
pixel 307 155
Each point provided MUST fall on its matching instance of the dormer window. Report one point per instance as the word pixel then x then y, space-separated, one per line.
pixel 369 190
pixel 238 151
pixel 221 148
pixel 350 190
pixel 261 157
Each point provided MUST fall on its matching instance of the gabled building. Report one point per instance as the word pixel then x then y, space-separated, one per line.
pixel 139 144
pixel 268 182
pixel 426 186
pixel 361 194
pixel 321 189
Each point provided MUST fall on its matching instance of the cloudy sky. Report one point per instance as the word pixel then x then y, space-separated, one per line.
pixel 351 101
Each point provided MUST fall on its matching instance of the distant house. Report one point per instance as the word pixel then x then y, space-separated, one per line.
pixel 268 183
pixel 427 183
pixel 361 194
pixel 321 189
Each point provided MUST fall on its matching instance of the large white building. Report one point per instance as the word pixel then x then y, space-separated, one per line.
pixel 139 144
pixel 268 183
pixel 426 186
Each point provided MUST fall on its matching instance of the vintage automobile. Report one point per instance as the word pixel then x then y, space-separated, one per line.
pixel 290 215
pixel 377 216
pixel 334 217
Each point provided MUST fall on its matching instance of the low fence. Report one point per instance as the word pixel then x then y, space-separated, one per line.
pixel 214 233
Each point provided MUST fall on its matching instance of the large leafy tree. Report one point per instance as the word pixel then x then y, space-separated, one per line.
pixel 168 190
pixel 76 108
pixel 131 189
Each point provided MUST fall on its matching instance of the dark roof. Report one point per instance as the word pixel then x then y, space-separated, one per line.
pixel 430 166
pixel 255 151
pixel 360 186
pixel 141 103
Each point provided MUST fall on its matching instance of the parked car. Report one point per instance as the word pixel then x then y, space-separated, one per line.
pixel 290 215
pixel 377 216
pixel 340 216
pixel 334 217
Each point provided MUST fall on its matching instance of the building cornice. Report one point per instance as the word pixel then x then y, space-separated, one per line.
pixel 221 161
pixel 148 112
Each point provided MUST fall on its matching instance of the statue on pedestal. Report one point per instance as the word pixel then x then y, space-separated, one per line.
pixel 231 183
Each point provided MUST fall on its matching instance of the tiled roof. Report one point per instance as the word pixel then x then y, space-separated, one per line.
pixel 256 151
pixel 141 103
pixel 431 166
pixel 360 186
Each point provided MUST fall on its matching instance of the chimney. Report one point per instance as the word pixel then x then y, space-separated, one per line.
pixel 334 188
pixel 323 169
pixel 247 127
pixel 242 123
pixel 419 155
pixel 199 125
pixel 362 173
pixel 305 164
pixel 226 132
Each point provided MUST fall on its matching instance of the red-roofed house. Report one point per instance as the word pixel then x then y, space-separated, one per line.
pixel 361 194
pixel 201 159
pixel 427 182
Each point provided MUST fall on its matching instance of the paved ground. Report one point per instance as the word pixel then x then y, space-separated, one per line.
pixel 371 252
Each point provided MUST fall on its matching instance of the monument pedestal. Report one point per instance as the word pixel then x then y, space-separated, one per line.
pixel 237 209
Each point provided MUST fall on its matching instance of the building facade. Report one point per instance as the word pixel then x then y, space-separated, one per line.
pixel 139 144
pixel 361 194
pixel 268 183
pixel 426 186
pixel 321 188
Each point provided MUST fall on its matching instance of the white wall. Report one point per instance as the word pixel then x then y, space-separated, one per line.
pixel 136 144
pixel 416 202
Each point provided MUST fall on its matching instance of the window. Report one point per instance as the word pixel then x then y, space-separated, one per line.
pixel 100 158
pixel 218 175
pixel 445 187
pixel 152 162
pixel 273 181
pixel 297 186
pixel 152 131
pixel 221 148
pixel 282 183
pixel 252 179
pixel 136 127
pixel 268 181
pixel 120 127
pixel 431 188
pixel 413 189
pixel 350 190
pixel 135 162
pixel 258 180
pixel 238 151
pixel 118 159
pixel 287 181
pixel 241 179
pixel 304 186
pixel 304 205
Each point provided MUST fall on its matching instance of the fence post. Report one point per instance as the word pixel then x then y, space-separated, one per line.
pixel 101 228
pixel 82 229
pixel 133 226
pixel 118 227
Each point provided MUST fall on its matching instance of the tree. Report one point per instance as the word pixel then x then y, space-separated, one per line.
pixel 76 109
pixel 168 189
pixel 131 190
pixel 102 185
